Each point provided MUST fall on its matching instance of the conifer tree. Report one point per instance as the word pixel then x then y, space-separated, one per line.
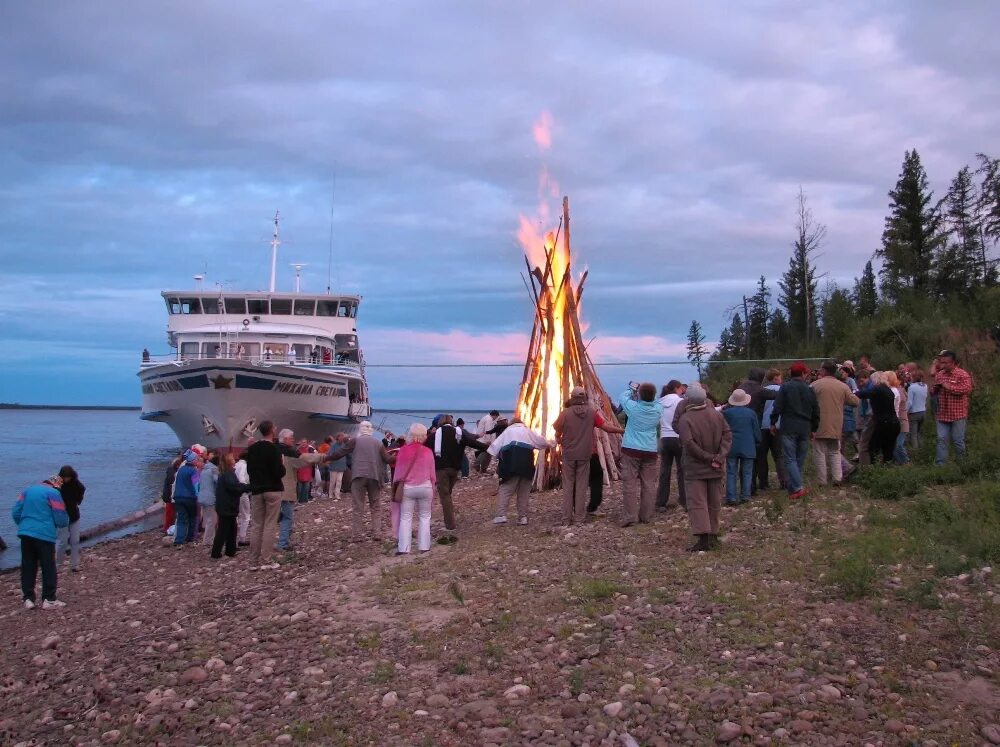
pixel 838 317
pixel 798 284
pixel 696 351
pixel 866 293
pixel 736 338
pixel 758 316
pixel 959 267
pixel 988 211
pixel 778 332
pixel 911 234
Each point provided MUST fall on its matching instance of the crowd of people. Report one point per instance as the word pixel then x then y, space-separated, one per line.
pixel 721 449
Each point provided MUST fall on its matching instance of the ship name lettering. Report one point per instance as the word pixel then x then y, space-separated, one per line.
pixel 290 387
pixel 158 387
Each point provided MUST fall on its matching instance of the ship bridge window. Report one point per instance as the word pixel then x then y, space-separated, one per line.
pixel 189 351
pixel 245 350
pixel 345 309
pixel 211 350
pixel 281 306
pixel 354 310
pixel 305 307
pixel 327 308
pixel 185 306
pixel 258 306
pixel 236 306
pixel 211 305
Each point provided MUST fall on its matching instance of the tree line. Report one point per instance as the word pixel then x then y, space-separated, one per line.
pixel 935 257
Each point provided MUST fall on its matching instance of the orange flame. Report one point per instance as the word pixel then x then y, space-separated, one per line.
pixel 536 242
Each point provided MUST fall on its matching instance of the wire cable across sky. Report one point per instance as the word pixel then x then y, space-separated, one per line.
pixel 607 363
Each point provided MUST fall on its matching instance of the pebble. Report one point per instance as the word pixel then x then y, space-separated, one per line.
pixel 991 733
pixel 215 663
pixel 498 734
pixel 613 709
pixel 283 739
pixel 390 699
pixel 931 665
pixel 728 731
pixel 420 712
pixel 895 725
pixel 516 691
pixel 299 617
pixel 51 642
pixel 111 736
pixel 313 671
pixel 193 674
pixel 829 692
pixel 626 689
pixel 437 700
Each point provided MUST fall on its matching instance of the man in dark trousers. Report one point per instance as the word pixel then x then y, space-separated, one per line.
pixel 797 408
pixel 448 444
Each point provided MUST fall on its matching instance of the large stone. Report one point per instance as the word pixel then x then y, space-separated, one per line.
pixel 497 735
pixel 614 709
pixel 193 674
pixel 51 642
pixel 437 700
pixel 516 691
pixel 390 699
pixel 991 733
pixel 728 731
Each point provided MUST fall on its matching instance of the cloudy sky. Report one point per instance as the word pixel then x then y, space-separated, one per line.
pixel 142 143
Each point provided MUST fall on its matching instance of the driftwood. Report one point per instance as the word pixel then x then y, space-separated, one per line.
pixel 546 377
pixel 121 522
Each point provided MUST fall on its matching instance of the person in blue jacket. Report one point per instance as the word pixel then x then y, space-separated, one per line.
pixel 186 497
pixel 40 513
pixel 745 425
pixel 640 449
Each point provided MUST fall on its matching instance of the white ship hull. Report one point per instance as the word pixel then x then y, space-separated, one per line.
pixel 220 402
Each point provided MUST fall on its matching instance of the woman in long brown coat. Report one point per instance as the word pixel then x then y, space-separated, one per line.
pixel 705 443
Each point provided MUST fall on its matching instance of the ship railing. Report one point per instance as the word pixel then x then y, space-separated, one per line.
pixel 187 359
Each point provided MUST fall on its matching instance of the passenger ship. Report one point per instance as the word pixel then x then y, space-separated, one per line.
pixel 243 357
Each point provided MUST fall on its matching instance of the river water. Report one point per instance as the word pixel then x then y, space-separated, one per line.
pixel 121 459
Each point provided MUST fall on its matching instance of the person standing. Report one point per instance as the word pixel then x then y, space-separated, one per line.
pixel 574 431
pixel 72 491
pixel 304 475
pixel 705 443
pixel 448 444
pixel 952 387
pixel 484 435
pixel 186 498
pixel 229 491
pixel 916 407
pixel 899 455
pixel 369 459
pixel 167 494
pixel 797 409
pixel 266 469
pixel 415 470
pixel 337 466
pixel 294 460
pixel 639 450
pixel 741 460
pixel 832 396
pixel 670 448
pixel 243 516
pixel 864 423
pixel 769 443
pixel 40 513
pixel 885 421
pixel 207 482
pixel 515 453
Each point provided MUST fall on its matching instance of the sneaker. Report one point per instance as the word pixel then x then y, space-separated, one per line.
pixel 523 521
pixel 800 493
pixel 500 520
pixel 52 604
pixel 28 604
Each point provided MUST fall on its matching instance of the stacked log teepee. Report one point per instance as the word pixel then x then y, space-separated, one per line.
pixel 558 360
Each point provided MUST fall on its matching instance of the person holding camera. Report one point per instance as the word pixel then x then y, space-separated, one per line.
pixel 952 387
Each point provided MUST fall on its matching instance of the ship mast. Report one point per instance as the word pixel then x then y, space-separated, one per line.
pixel 275 241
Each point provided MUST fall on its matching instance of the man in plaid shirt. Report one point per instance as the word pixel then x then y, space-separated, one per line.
pixel 952 386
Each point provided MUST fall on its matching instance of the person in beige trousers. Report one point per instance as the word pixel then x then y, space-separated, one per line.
pixel 833 396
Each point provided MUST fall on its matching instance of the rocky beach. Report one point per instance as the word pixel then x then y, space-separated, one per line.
pixel 536 635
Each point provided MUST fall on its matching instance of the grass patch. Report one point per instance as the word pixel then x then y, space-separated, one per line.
pixel 576 682
pixel 460 667
pixel 369 641
pixel 383 673
pixel 594 589
pixel 324 730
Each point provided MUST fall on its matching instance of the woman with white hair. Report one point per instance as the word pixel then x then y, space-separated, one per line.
pixel 369 457
pixel 415 470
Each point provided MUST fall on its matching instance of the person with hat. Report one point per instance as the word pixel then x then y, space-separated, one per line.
pixel 705 444
pixel 72 491
pixel 952 387
pixel 574 430
pixel 186 498
pixel 742 457
pixel 40 513
pixel 833 396
pixel 798 410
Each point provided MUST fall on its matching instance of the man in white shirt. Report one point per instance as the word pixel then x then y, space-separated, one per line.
pixel 670 448
pixel 483 427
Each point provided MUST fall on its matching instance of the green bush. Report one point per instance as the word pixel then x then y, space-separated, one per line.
pixel 890 483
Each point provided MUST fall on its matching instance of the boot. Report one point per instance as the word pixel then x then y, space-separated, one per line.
pixel 702 544
pixel 713 541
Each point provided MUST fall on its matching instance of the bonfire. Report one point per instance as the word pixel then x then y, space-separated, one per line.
pixel 557 355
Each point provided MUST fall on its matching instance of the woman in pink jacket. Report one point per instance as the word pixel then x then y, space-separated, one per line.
pixel 415 469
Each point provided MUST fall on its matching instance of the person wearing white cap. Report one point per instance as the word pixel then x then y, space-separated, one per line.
pixel 705 443
pixel 368 460
pixel 742 456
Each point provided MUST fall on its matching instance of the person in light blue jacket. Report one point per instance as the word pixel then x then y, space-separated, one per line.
pixel 639 452
pixel 39 513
